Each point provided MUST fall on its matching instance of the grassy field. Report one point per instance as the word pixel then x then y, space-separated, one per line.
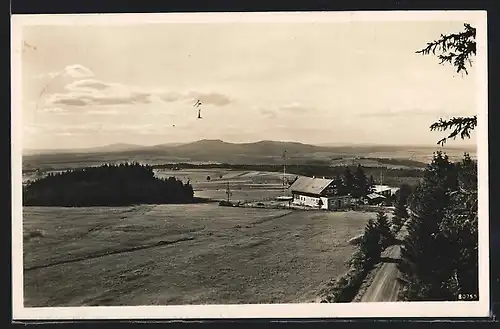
pixel 182 254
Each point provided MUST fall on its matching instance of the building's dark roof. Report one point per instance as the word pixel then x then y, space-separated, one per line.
pixel 372 196
pixel 310 185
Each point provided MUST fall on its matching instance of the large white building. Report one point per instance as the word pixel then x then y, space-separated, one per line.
pixel 318 193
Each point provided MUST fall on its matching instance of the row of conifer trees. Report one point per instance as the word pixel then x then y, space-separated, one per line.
pixel 106 185
pixel 440 251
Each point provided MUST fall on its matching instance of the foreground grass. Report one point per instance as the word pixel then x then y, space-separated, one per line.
pixel 182 254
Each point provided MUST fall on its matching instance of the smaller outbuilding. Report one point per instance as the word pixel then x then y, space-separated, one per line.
pixel 374 198
pixel 385 190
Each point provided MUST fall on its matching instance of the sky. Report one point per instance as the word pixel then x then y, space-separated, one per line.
pixel 317 83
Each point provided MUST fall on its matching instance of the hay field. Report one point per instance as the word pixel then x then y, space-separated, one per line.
pixel 182 254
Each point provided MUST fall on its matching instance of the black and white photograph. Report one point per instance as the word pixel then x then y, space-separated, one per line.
pixel 264 165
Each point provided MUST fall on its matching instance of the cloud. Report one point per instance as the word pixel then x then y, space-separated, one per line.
pixel 209 98
pixel 104 112
pixel 57 110
pixel 294 108
pixel 75 71
pixel 285 110
pixel 268 113
pixel 88 84
pixel 406 113
pixel 84 89
pixel 58 99
pixel 67 133
pixel 78 71
pixel 95 92
pixel 168 96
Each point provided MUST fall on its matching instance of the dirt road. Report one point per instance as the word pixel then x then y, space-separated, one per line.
pixel 385 286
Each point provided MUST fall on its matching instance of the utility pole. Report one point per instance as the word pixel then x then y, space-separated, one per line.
pixel 228 192
pixel 284 173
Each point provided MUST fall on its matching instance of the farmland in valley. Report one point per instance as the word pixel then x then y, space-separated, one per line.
pixel 244 185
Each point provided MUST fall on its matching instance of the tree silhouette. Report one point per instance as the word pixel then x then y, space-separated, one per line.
pixel 361 184
pixel 457 49
pixel 460 227
pixel 400 211
pixel 382 225
pixel 339 185
pixel 370 246
pixel 441 219
pixel 349 181
pixel 106 185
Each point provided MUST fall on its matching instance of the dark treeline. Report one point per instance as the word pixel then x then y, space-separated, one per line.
pixel 354 183
pixel 390 176
pixel 107 185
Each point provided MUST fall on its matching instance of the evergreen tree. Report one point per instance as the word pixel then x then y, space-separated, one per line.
pixel 460 228
pixel 400 211
pixel 340 188
pixel 467 173
pixel 370 244
pixel 383 227
pixel 360 188
pixel 412 254
pixel 401 206
pixel 423 266
pixel 404 192
pixel 397 224
pixel 349 181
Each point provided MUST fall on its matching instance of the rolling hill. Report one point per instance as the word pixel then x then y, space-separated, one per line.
pixel 262 152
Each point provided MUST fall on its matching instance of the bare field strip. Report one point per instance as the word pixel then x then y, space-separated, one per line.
pixel 121 256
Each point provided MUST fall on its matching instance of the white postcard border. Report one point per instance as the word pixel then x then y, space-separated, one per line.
pixel 316 310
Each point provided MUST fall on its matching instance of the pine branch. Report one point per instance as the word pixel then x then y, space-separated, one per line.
pixel 456 48
pixel 460 126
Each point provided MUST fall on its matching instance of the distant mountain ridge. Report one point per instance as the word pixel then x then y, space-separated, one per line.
pixel 257 153
pixel 261 152
pixel 264 147
pixel 117 147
